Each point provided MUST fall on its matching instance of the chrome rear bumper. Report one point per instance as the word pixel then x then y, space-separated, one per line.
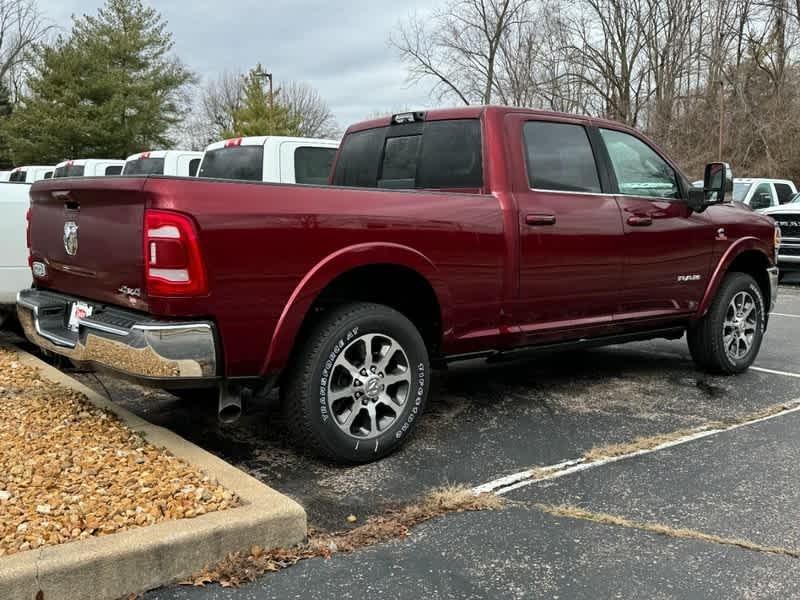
pixel 163 352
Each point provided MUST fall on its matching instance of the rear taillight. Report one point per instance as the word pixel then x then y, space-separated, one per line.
pixel 173 260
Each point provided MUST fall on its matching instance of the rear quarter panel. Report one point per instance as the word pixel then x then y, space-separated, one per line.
pixel 260 241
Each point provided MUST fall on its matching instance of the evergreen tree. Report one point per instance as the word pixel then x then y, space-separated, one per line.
pixel 261 113
pixel 109 89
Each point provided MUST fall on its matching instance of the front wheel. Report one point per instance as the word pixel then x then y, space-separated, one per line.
pixel 728 338
pixel 358 384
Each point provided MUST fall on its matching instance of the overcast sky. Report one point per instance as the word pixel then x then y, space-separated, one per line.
pixel 339 47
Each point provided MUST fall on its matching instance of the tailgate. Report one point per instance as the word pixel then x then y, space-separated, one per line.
pixel 88 231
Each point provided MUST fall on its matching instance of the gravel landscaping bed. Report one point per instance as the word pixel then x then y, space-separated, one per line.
pixel 69 470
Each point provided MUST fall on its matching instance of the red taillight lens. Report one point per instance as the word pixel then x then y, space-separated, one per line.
pixel 173 261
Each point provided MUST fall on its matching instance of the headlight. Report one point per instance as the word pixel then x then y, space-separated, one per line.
pixel 777 242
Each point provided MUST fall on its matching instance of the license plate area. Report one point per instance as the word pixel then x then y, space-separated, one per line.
pixel 77 311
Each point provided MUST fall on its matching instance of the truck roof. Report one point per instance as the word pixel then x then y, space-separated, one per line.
pixel 29 167
pixel 475 112
pixel 261 140
pixel 761 180
pixel 161 154
pixel 88 161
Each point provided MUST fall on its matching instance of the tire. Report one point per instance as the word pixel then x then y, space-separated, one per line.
pixel 332 399
pixel 721 342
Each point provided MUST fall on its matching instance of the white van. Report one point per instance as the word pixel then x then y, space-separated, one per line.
pixel 178 163
pixel 89 167
pixel 270 158
pixel 29 174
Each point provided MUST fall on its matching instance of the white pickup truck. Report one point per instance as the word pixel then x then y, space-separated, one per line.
pixel 272 158
pixel 29 174
pixel 15 274
pixel 89 167
pixel 177 163
pixel 14 271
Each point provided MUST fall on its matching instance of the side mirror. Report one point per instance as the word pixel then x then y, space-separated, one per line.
pixel 717 187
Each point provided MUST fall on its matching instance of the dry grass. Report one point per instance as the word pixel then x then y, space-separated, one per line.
pixel 640 444
pixel 243 567
pixel 574 512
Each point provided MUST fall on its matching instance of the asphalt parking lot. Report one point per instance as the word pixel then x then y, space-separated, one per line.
pixel 489 420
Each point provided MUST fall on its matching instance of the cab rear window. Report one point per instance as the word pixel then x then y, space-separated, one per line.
pixel 420 155
pixel 245 163
pixel 144 166
pixel 18 176
pixel 69 171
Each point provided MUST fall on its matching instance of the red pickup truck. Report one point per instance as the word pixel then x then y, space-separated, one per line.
pixel 451 234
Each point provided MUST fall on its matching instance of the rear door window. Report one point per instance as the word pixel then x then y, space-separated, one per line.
pixel 144 166
pixel 560 157
pixel 313 165
pixel 193 165
pixel 244 163
pixel 113 170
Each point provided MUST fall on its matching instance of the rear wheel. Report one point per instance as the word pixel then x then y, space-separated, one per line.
pixel 357 385
pixel 728 338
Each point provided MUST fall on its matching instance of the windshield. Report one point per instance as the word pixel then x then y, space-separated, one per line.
pixel 69 171
pixel 740 190
pixel 144 166
pixel 245 163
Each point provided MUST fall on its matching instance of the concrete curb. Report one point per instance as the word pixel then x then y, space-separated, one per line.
pixel 141 559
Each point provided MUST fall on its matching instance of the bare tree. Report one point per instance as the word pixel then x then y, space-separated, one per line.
pixel 305 102
pixel 21 27
pixel 458 47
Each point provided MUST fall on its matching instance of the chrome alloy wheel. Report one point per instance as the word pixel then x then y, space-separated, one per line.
pixel 739 329
pixel 369 385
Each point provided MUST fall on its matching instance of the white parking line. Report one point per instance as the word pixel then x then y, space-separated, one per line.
pixel 774 372
pixel 505 484
pixel 784 315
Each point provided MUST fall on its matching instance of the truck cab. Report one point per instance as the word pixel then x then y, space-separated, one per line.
pixel 175 163
pixel 30 174
pixel 89 167
pixel 270 158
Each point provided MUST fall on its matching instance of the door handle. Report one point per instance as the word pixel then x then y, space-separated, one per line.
pixel 540 219
pixel 639 221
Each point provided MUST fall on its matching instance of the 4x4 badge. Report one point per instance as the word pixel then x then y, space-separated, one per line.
pixel 71 237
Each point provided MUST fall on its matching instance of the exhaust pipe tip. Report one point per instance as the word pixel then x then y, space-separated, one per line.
pixel 230 413
pixel 230 405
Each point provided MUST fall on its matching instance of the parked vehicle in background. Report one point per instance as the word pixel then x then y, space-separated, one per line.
pixel 761 194
pixel 89 167
pixel 15 272
pixel 272 159
pixel 30 174
pixel 452 234
pixel 177 163
pixel 787 217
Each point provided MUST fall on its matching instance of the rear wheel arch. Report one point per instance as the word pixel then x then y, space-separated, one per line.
pixel 388 274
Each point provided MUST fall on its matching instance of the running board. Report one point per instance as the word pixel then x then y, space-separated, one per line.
pixel 670 333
